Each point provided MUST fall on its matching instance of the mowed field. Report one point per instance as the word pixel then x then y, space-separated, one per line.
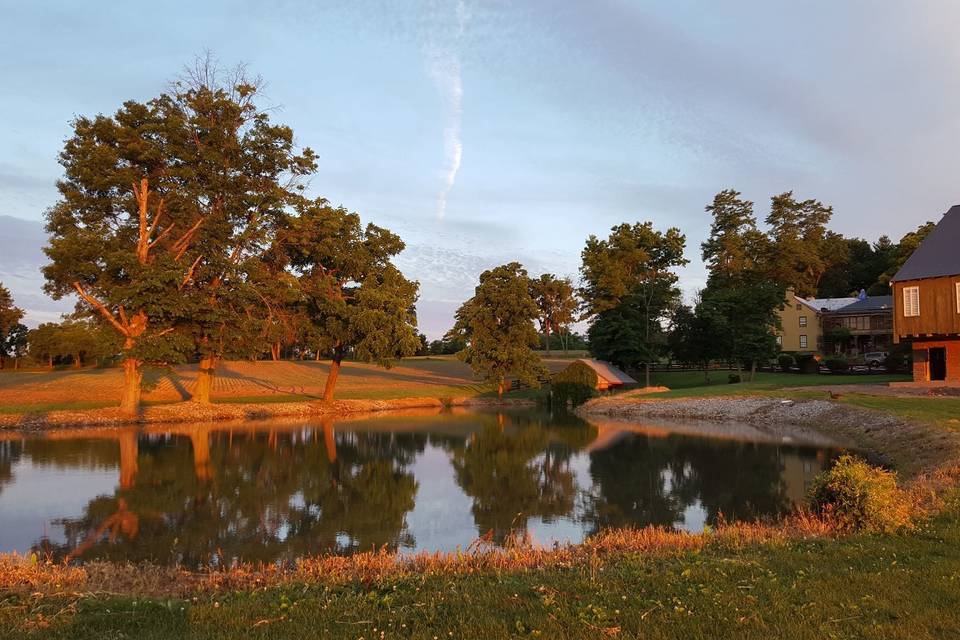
pixel 244 381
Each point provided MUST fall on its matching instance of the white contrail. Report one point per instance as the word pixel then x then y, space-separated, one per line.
pixel 445 70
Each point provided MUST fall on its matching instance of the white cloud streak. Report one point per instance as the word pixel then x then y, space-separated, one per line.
pixel 444 67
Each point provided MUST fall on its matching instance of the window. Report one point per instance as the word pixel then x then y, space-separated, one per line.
pixel 799 307
pixel 803 321
pixel 803 342
pixel 911 302
pixel 779 341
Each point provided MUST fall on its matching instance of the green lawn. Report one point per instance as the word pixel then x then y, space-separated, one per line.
pixel 692 383
pixel 883 587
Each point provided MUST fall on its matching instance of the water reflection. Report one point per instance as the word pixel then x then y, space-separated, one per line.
pixel 216 494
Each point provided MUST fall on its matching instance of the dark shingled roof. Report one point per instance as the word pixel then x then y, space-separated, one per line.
pixel 871 303
pixel 939 253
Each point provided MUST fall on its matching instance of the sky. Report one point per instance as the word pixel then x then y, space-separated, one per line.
pixel 487 132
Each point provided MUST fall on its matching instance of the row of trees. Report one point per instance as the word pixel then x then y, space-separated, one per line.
pixel 183 226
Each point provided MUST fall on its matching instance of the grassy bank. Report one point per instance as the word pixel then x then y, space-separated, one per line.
pixel 864 586
pixel 692 383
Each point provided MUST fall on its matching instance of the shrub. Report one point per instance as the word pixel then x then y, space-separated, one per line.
pixel 785 361
pixel 577 384
pixel 860 497
pixel 837 364
pixel 733 378
pixel 808 363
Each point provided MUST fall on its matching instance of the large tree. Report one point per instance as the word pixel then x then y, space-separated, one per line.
pixel 497 324
pixel 246 174
pixel 742 298
pixel 802 249
pixel 629 289
pixel 123 234
pixel 357 300
pixel 10 316
pixel 557 302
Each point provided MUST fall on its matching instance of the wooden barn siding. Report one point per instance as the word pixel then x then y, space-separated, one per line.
pixel 938 308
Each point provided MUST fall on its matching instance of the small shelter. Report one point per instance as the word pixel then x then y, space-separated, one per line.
pixel 607 375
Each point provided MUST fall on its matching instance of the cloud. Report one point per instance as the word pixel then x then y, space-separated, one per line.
pixel 444 66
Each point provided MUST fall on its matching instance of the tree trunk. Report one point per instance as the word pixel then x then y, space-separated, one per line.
pixel 316 356
pixel 16 364
pixel 331 385
pixel 647 374
pixel 753 369
pixel 275 351
pixel 546 334
pixel 205 374
pixel 3 361
pixel 77 362
pixel 706 373
pixel 50 362
pixel 500 386
pixel 132 376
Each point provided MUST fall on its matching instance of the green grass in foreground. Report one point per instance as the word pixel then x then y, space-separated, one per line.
pixel 883 587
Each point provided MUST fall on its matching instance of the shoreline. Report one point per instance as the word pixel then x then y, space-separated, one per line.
pixel 180 412
pixel 911 447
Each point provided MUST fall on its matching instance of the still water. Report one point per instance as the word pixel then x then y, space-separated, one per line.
pixel 214 494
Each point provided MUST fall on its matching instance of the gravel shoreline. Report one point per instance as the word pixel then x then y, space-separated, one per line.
pixel 911 447
pixel 190 412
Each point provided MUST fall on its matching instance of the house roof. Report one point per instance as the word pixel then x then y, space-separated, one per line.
pixel 937 255
pixel 830 304
pixel 607 371
pixel 868 304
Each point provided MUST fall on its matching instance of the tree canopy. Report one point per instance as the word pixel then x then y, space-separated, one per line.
pixel 497 324
pixel 629 289
pixel 355 297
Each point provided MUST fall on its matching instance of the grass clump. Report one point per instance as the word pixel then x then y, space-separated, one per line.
pixel 861 497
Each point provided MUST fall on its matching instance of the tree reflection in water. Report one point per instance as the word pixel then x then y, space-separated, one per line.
pixel 212 495
pixel 251 495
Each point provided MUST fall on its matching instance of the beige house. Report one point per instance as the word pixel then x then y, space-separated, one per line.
pixel 801 322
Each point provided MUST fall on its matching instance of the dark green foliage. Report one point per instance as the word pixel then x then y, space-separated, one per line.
pixel 785 360
pixel 574 385
pixel 10 327
pixel 734 378
pixel 862 498
pixel 356 299
pixel 629 290
pixel 449 345
pixel 801 248
pixel 76 341
pixel 837 364
pixel 742 299
pixel 696 336
pixel 555 298
pixel 497 324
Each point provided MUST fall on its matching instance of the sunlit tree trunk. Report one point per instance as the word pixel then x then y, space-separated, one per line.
pixel 77 361
pixel 275 351
pixel 331 385
pixel 205 375
pixel 132 377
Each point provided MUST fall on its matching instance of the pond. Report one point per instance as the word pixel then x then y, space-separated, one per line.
pixel 215 494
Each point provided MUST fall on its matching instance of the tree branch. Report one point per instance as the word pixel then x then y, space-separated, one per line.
pixel 99 306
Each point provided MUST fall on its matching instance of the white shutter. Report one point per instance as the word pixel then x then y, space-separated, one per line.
pixel 911 302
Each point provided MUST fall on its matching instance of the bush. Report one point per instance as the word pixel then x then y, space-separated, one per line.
pixel 785 361
pixel 577 384
pixel 859 497
pixel 837 364
pixel 808 363
pixel 733 378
